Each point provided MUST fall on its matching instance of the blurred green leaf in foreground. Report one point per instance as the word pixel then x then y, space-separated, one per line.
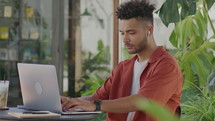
pixel 156 110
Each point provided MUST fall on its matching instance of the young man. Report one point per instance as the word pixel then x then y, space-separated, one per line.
pixel 153 73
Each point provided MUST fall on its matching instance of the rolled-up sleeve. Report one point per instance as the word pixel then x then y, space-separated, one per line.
pixel 161 84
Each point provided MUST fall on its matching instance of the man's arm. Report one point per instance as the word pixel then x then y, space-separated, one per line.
pixel 120 105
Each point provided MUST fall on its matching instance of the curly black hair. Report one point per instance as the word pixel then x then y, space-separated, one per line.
pixel 136 9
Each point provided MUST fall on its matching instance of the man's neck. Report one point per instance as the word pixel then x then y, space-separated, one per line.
pixel 146 53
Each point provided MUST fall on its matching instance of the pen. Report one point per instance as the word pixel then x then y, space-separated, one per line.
pixel 34 112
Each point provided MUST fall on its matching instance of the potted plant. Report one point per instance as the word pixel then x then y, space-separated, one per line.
pixel 194 54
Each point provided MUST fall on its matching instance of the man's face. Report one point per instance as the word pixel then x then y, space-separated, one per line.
pixel 134 35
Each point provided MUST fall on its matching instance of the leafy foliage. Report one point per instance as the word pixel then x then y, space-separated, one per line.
pixel 194 48
pixel 94 83
pixel 190 37
pixel 96 68
pixel 195 57
pixel 95 71
pixel 200 108
pixel 189 93
pixel 97 64
pixel 173 11
pixel 211 82
pixel 209 3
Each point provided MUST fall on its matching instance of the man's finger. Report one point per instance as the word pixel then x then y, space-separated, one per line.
pixel 70 103
pixel 65 102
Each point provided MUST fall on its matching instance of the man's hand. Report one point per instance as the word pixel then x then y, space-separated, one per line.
pixel 76 103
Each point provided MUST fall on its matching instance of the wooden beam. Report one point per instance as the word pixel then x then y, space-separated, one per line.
pixel 74 21
pixel 115 35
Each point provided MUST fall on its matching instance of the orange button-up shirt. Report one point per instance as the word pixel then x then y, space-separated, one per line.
pixel 160 81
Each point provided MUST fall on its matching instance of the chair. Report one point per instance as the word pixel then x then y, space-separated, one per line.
pixel 178 111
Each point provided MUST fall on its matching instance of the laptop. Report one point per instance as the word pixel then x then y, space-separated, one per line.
pixel 40 91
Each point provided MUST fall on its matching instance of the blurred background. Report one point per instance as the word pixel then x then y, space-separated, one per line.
pixel 81 38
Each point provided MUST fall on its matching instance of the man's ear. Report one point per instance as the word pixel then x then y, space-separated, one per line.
pixel 150 29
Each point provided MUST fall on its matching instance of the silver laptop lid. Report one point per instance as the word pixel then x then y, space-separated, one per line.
pixel 39 87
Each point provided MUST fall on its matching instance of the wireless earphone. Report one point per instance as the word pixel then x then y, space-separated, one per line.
pixel 148 34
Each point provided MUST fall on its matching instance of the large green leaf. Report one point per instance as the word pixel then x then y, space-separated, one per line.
pixel 211 83
pixel 173 39
pixel 195 42
pixel 184 9
pixel 192 61
pixel 210 3
pixel 188 75
pixel 190 28
pixel 201 23
pixel 184 31
pixel 188 8
pixel 156 110
pixel 169 12
pixel 206 61
pixel 199 68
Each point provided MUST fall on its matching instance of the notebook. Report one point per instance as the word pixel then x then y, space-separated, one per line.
pixel 34 114
pixel 40 91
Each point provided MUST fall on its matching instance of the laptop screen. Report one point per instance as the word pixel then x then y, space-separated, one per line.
pixel 39 87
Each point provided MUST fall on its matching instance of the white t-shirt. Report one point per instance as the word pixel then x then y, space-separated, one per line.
pixel 138 69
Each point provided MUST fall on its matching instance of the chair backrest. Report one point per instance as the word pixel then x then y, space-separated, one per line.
pixel 178 111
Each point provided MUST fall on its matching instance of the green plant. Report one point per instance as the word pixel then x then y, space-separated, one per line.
pixel 173 11
pixel 194 53
pixel 200 107
pixel 190 38
pixel 97 64
pixel 93 84
pixel 96 69
pixel 211 82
